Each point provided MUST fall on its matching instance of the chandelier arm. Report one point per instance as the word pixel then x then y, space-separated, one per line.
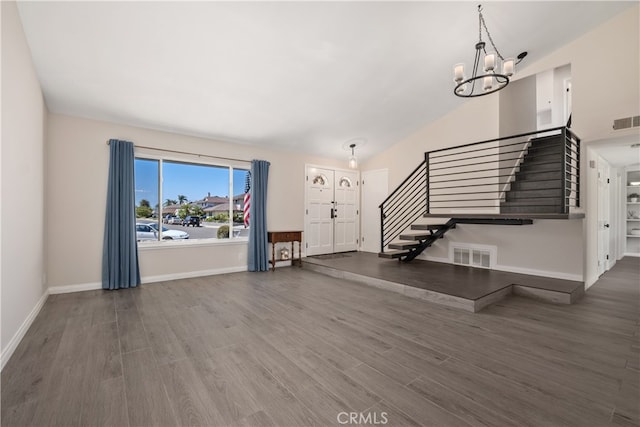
pixel 476 62
pixel 484 24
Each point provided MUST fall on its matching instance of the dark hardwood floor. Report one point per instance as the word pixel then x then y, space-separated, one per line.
pixel 294 348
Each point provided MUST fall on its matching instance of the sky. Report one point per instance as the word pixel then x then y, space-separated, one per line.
pixel 193 181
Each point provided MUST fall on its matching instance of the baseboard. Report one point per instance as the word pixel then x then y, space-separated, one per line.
pixel 149 279
pixel 20 333
pixel 634 254
pixel 590 282
pixel 75 288
pixel 509 269
pixel 192 274
pixel 542 273
pixel 433 258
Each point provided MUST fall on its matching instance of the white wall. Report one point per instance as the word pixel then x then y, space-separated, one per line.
pixel 23 127
pixel 76 187
pixel 605 71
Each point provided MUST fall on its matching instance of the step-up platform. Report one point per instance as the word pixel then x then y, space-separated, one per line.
pixel 466 288
pixel 411 245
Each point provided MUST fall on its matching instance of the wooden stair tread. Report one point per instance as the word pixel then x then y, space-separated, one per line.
pixel 404 245
pixel 420 236
pixel 392 254
pixel 427 226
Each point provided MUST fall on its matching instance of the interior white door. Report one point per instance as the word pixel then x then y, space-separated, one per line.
pixel 346 211
pixel 319 215
pixel 375 188
pixel 603 216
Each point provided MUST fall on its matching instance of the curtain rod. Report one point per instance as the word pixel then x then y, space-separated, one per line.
pixel 191 154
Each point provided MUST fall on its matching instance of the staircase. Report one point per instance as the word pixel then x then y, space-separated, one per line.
pixel 537 187
pixel 503 181
pixel 413 244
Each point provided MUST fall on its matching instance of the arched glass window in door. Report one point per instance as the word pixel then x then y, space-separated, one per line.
pixel 320 180
pixel 344 182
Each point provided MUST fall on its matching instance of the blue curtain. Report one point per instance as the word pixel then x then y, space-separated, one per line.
pixel 258 247
pixel 120 251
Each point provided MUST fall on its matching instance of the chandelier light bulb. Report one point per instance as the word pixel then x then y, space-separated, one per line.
pixel 488 83
pixel 458 73
pixel 489 62
pixel 509 67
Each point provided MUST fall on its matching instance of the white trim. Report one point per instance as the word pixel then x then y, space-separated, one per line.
pixel 590 282
pixel 189 243
pixel 191 274
pixel 543 273
pixel 635 254
pixel 433 258
pixel 148 279
pixel 520 270
pixel 75 288
pixel 22 330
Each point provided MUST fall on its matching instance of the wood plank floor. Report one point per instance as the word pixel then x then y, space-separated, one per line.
pixel 295 348
pixel 457 280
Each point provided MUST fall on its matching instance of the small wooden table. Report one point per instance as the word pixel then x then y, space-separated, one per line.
pixel 274 237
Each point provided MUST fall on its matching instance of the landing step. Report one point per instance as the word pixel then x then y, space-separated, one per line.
pixel 506 215
pixel 420 236
pixel 429 226
pixel 403 245
pixel 392 254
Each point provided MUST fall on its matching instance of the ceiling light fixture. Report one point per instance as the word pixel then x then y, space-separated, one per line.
pixel 351 145
pixel 353 160
pixel 492 80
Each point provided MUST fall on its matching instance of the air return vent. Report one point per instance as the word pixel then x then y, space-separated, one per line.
pixel 472 255
pixel 627 122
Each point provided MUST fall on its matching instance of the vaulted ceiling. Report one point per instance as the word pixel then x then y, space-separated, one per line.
pixel 303 76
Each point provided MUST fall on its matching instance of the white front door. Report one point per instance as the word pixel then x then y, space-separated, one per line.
pixel 319 212
pixel 346 211
pixel 331 217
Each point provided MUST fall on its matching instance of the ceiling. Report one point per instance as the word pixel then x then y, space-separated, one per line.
pixel 303 76
pixel 618 152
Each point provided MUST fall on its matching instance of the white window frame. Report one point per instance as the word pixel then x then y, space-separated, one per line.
pixel 161 157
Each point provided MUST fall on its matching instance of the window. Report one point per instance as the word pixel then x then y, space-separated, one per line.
pixel 180 200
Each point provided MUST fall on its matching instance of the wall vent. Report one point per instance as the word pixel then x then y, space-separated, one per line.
pixel 627 122
pixel 472 255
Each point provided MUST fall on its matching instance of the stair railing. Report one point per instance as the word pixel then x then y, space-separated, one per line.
pixel 474 178
pixel 404 205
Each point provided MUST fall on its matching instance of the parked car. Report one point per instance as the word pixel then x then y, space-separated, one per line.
pixel 146 232
pixel 174 220
pixel 169 234
pixel 190 220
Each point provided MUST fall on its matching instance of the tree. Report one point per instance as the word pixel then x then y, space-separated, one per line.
pixel 182 199
pixel 144 203
pixel 170 202
pixel 144 212
pixel 190 209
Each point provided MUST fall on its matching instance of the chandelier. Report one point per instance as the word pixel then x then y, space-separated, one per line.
pixel 493 78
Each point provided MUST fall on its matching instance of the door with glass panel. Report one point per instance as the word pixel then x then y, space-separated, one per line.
pixel 332 211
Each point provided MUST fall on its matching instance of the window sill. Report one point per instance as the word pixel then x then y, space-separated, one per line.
pixel 188 243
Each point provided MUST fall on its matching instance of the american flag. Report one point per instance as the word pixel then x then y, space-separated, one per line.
pixel 247 199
